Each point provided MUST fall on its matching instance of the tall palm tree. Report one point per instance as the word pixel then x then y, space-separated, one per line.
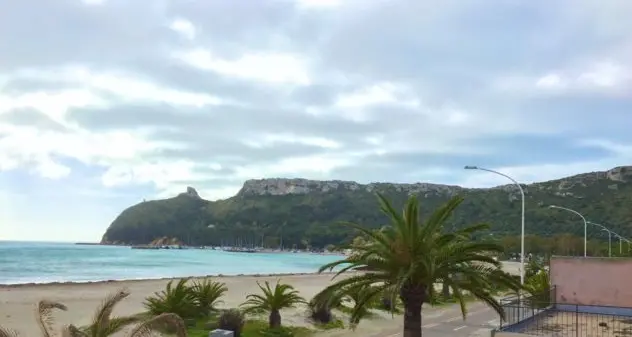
pixel 44 319
pixel 272 300
pixel 410 256
pixel 104 325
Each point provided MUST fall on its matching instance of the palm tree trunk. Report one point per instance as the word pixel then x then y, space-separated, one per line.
pixel 274 319
pixel 445 290
pixel 412 319
pixel 413 298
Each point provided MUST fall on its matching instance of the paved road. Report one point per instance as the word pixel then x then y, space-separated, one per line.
pixel 448 322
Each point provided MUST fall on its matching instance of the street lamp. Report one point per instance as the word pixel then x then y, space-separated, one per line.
pixel 621 238
pixel 609 236
pixel 522 216
pixel 581 216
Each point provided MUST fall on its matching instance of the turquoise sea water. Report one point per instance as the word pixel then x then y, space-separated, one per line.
pixel 25 262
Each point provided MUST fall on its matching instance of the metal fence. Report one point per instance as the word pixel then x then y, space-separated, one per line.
pixel 519 308
pixel 542 316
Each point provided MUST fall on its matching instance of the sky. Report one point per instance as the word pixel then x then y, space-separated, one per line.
pixel 104 103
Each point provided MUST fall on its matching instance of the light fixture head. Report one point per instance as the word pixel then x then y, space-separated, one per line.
pixel 469 167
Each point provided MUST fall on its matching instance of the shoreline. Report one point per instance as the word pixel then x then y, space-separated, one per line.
pixel 139 280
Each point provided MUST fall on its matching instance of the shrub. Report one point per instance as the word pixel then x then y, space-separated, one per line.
pixel 206 295
pixel 277 332
pixel 231 320
pixel 320 313
pixel 321 305
pixel 178 300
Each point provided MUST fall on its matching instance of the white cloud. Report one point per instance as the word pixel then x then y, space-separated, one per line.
pixel 319 4
pixel 183 27
pixel 550 81
pixel 270 140
pixel 277 68
pixel 124 86
pixel 603 77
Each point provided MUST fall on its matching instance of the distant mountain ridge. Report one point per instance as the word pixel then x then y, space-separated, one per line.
pixel 302 210
pixel 283 186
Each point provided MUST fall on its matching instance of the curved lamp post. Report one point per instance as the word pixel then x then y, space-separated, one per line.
pixel 522 216
pixel 581 216
pixel 621 238
pixel 609 236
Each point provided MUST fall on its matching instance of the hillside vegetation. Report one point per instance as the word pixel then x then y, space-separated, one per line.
pixel 306 213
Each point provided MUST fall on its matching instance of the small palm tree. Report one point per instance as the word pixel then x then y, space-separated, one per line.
pixel 322 304
pixel 361 299
pixel 272 300
pixel 410 257
pixel 44 319
pixel 207 294
pixel 103 325
pixel 539 288
pixel 178 299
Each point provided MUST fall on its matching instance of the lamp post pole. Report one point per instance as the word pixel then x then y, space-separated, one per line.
pixel 620 244
pixel 581 216
pixel 522 215
pixel 609 236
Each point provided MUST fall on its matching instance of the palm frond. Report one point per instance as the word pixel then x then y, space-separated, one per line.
pixel 117 324
pixel 148 327
pixel 72 331
pixel 102 316
pixel 439 217
pixel 4 332
pixel 44 315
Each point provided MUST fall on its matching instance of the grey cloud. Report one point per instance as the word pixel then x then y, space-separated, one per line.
pixel 50 32
pixel 316 95
pixel 211 148
pixel 25 85
pixel 32 118
pixel 225 121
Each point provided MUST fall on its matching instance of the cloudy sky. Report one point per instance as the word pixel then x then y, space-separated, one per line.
pixel 106 102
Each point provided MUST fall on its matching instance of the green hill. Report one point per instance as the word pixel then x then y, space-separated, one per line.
pixel 300 211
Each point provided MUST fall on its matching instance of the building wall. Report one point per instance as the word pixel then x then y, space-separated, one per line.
pixel 592 281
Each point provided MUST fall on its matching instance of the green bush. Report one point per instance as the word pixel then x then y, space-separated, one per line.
pixel 231 320
pixel 177 300
pixel 277 332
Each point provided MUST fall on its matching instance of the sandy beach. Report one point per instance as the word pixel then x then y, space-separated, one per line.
pixel 17 302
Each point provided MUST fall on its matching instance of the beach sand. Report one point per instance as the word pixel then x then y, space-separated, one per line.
pixel 17 302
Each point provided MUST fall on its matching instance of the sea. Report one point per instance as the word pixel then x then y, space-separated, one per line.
pixel 38 262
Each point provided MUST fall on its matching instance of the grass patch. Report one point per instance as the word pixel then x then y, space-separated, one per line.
pixel 252 328
pixel 333 325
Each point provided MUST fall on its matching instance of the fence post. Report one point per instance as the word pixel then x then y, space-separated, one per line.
pixel 576 320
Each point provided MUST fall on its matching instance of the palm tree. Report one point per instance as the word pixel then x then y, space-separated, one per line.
pixel 103 325
pixel 207 294
pixel 410 256
pixel 273 300
pixel 539 288
pixel 44 319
